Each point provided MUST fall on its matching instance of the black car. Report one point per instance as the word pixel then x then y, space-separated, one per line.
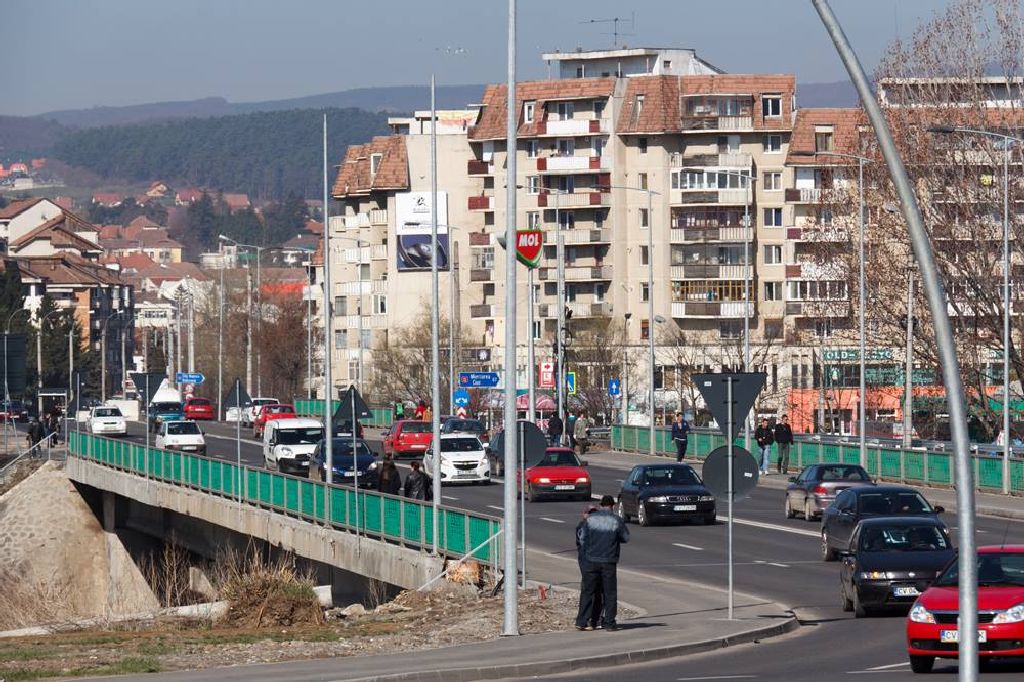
pixel 810 493
pixel 890 561
pixel 665 492
pixel 854 504
pixel 345 467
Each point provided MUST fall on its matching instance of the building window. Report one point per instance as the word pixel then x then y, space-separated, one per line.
pixel 580 72
pixel 353 370
pixel 642 180
pixel 644 217
pixel 773 254
pixel 772 181
pixel 340 306
pixel 566 220
pixel 483 258
pixel 380 304
pixel 598 108
pixel 730 329
pixel 666 64
pixel 641 144
pixel 567 147
pixel 536 330
pixel 773 291
pixel 643 255
pixel 375 163
pixel 566 110
pixel 823 328
pixel 532 148
pixel 365 339
pixel 533 220
pixel 773 217
pixel 823 140
pixel 638 107
pixel 772 144
pixel 645 329
pixel 645 292
pixel 340 338
pixel 364 272
pixel 771 105
pixel 533 184
pixel 528 108
pixel 599 219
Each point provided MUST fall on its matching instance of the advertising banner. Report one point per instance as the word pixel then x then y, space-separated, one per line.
pixel 413 214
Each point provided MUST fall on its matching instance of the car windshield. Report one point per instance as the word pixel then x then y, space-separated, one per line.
pixel 559 458
pixel 460 444
pixel 416 427
pixel 199 402
pixel 842 473
pixel 182 429
pixel 342 452
pixel 670 476
pixel 167 407
pixel 107 412
pixel 903 539
pixel 464 426
pixel 308 436
pixel 893 503
pixel 280 409
pixel 994 568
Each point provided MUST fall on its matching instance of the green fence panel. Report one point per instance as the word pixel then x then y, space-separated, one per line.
pixel 890 460
pixel 291 493
pixel 370 513
pixel 913 465
pixel 1017 476
pixel 479 532
pixel 413 521
pixel 939 470
pixel 391 517
pixel 307 489
pixel 990 472
pixel 191 470
pixel 456 535
pixel 319 501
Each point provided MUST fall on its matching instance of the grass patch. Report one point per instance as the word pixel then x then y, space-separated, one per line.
pixel 131 664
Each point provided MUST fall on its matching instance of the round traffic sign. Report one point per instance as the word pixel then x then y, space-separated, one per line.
pixel 716 472
pixel 188 389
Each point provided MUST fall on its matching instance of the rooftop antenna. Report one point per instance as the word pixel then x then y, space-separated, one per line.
pixel 614 21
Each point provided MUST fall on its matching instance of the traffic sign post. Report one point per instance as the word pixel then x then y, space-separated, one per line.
pixel 480 379
pixel 189 378
pixel 547 375
pixel 614 387
pixel 570 383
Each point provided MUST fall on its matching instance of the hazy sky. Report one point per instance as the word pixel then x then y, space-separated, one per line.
pixel 81 53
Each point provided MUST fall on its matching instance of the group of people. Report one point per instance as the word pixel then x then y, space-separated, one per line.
pixel 417 486
pixel 780 435
pixel 40 429
pixel 577 431
pixel 598 538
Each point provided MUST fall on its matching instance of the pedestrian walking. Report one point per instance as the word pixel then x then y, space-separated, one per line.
pixel 581 432
pixel 421 408
pixel 594 618
pixel 35 432
pixel 555 428
pixel 418 485
pixel 765 437
pixel 570 430
pixel 600 537
pixel 389 480
pixel 428 414
pixel 784 439
pixel 680 434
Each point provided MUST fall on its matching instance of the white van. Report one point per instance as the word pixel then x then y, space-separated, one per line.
pixel 288 444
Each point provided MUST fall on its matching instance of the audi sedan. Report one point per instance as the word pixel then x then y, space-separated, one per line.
pixel 665 492
pixel 810 493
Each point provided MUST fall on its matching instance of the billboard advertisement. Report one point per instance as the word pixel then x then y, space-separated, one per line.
pixel 413 231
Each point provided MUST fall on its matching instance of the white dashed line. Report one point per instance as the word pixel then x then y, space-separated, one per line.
pixel 889 667
pixel 771 563
pixel 693 547
pixel 494 506
pixel 717 677
pixel 448 497
pixel 772 526
pixel 544 518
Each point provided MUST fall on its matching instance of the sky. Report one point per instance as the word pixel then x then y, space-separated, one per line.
pixel 70 54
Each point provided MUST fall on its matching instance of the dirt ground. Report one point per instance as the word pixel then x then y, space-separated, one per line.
pixel 411 621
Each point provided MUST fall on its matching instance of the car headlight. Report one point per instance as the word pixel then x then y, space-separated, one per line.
pixel 1014 614
pixel 706 498
pixel 876 575
pixel 543 480
pixel 286 452
pixel 920 614
pixel 583 479
pixel 372 467
pixel 659 498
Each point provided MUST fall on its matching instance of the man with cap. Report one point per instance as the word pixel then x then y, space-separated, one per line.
pixel 599 538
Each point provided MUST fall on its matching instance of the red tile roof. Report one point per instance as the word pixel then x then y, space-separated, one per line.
pixel 107 198
pixel 60 232
pixel 846 124
pixel 354 172
pixel 187 196
pixel 314 227
pixel 491 124
pixel 17 206
pixel 67 268
pixel 237 202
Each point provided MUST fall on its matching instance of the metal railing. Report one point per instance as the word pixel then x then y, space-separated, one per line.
pixel 382 416
pixel 386 517
pixel 924 467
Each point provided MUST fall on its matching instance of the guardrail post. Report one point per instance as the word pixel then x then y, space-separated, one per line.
pixel 423 530
pixel 878 461
pixel 926 458
pixel 977 471
pixel 465 535
pixel 903 466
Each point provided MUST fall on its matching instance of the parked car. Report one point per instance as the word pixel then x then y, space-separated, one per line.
pixel 199 409
pixel 288 444
pixel 665 492
pixel 559 474
pixel 181 435
pixel 850 506
pixel 462 460
pixel 253 409
pixel 891 561
pixel 107 420
pixel 813 490
pixel 407 437
pixel 345 468
pixel 932 625
pixel 269 413
pixel 473 426
pixel 16 411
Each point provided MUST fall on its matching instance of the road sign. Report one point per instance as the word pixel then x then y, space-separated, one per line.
pixel 547 375
pixel 716 472
pixel 479 379
pixel 460 397
pixel 189 378
pixel 614 387
pixel 745 387
pixel 188 389
pixel 528 247
pixel 570 383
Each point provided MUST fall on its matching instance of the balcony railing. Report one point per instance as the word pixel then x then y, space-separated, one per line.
pixel 480 203
pixel 574 200
pixel 481 311
pixel 727 197
pixel 479 239
pixel 815 270
pixel 557 164
pixel 379 252
pixel 577 273
pixel 711 309
pixel 707 271
pixel 711 234
pixel 376 216
pixel 481 275
pixel 818 235
pixel 723 159
pixel 818 308
pixel 573 126
pixel 479 167
pixel 815 195
pixel 355 288
pixel 715 122
pixel 579 236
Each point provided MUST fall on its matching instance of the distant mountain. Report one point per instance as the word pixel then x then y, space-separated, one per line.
pixel 838 94
pixel 22 138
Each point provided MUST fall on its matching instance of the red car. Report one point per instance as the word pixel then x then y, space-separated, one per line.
pixel 932 629
pixel 408 437
pixel 199 408
pixel 559 474
pixel 268 412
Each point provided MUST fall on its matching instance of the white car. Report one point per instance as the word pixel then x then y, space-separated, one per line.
pixel 253 409
pixel 463 460
pixel 288 444
pixel 181 435
pixel 107 420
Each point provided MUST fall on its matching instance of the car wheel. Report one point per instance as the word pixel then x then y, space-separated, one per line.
pixel 827 553
pixel 859 610
pixel 620 509
pixel 710 519
pixel 530 494
pixel 790 514
pixel 641 515
pixel 808 515
pixel 922 664
pixel 843 599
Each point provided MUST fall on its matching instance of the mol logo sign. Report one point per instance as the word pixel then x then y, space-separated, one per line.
pixel 528 247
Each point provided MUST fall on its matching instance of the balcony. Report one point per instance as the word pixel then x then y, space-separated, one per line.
pixel 574 200
pixel 369 321
pixel 478 167
pixel 682 235
pixel 579 236
pixel 361 287
pixel 577 274
pixel 578 309
pixel 479 311
pixel 573 126
pixel 708 122
pixel 708 271
pixel 727 309
pixel 816 195
pixel 568 164
pixel 360 256
pixel 818 308
pixel 815 270
pixel 481 275
pixel 721 160
pixel 376 216
pixel 818 235
pixel 480 203
pixel 379 252
pixel 727 197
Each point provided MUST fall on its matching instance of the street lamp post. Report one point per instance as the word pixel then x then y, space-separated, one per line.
pixel 1008 141
pixel 7 389
pixel 259 300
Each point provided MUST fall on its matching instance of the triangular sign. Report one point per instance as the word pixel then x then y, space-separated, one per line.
pixel 529 244
pixel 236 396
pixel 344 411
pixel 147 383
pixel 715 388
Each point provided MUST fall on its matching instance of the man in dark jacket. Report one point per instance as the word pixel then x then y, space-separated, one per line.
pixel 418 485
pixel 594 619
pixel 555 428
pixel 35 432
pixel 680 434
pixel 764 437
pixel 389 480
pixel 599 537
pixel 784 439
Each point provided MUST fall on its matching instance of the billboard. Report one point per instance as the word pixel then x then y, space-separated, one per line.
pixel 413 231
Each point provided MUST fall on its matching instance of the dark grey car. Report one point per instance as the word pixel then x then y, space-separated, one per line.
pixel 810 493
pixel 851 506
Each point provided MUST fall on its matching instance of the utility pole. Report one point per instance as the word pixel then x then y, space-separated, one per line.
pixel 191 333
pixel 328 340
pixel 435 323
pixel 908 371
pixel 248 331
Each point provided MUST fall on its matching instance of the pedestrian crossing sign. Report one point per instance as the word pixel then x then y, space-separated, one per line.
pixel 570 383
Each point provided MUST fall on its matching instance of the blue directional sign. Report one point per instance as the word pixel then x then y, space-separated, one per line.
pixel 614 387
pixel 570 383
pixel 460 397
pixel 189 378
pixel 479 379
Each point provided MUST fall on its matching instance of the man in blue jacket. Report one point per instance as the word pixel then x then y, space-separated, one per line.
pixel 599 538
pixel 680 434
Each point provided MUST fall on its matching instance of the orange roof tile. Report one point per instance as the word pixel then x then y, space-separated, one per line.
pixel 17 206
pixel 392 172
pixel 491 123
pixel 60 232
pixel 846 124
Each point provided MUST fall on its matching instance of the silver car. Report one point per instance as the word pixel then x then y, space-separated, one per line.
pixel 810 493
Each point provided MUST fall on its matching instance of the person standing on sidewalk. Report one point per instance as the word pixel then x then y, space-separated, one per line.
pixel 784 439
pixel 764 437
pixel 555 428
pixel 593 619
pixel 602 534
pixel 581 432
pixel 680 434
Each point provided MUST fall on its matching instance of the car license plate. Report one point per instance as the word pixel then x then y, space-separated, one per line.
pixel 953 636
pixel 565 487
pixel 685 507
pixel 419 447
pixel 350 474
pixel 188 447
pixel 905 591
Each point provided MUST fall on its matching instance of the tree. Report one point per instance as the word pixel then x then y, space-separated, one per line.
pixel 54 330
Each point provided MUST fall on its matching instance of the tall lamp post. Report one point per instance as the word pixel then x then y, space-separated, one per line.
pixel 7 389
pixel 1008 142
pixel 259 300
pixel 862 413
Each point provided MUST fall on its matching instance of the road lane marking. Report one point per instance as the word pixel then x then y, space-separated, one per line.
pixel 717 677
pixel 693 547
pixel 771 563
pixel 772 526
pixel 448 497
pixel 494 506
pixel 891 665
pixel 544 518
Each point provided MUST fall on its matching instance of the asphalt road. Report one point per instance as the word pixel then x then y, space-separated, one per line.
pixel 775 558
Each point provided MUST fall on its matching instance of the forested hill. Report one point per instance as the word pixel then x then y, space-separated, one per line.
pixel 267 155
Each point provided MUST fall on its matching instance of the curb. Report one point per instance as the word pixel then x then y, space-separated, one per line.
pixel 570 665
